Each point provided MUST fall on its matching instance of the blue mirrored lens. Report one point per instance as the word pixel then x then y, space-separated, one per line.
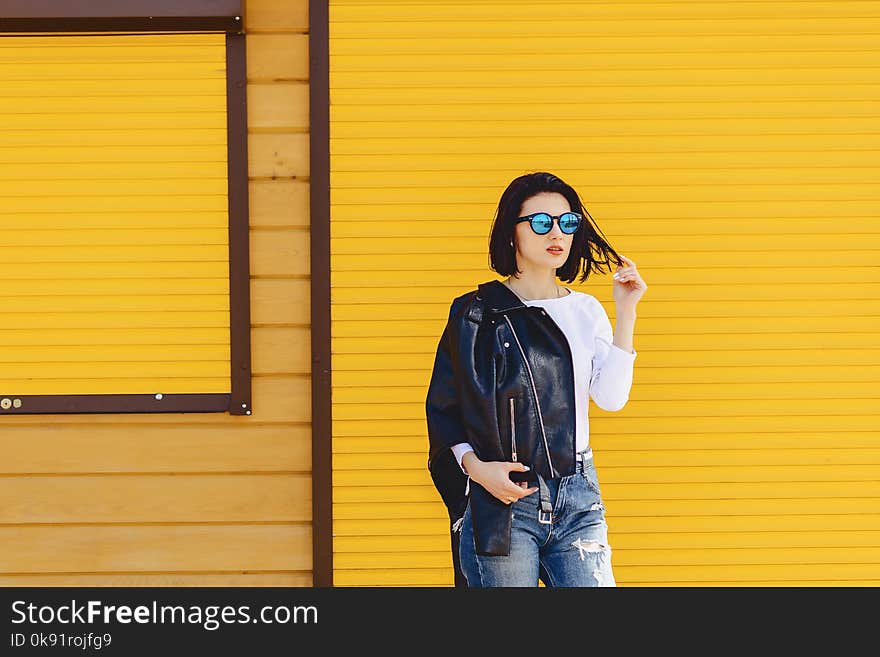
pixel 568 223
pixel 542 223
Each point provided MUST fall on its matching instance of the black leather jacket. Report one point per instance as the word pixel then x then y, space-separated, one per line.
pixel 502 381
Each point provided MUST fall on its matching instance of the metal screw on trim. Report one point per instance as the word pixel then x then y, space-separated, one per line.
pixel 5 403
pixel 238 18
pixel 248 413
pixel 16 403
pixel 244 405
pixel 158 395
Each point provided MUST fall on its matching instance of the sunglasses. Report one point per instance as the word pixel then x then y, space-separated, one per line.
pixel 542 223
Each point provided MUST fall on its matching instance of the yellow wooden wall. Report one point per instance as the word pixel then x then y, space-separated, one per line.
pixel 731 150
pixel 195 499
pixel 114 237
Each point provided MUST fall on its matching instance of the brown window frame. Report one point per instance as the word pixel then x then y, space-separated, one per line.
pixel 63 16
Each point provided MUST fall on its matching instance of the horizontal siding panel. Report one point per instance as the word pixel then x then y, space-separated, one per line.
pixel 637 482
pixel 731 574
pixel 128 353
pixel 588 126
pixel 658 575
pixel 96 202
pixel 160 579
pixel 588 61
pixel 645 43
pixel 607 109
pixel 467 227
pixel 162 103
pixel 86 384
pixel 66 154
pixel 133 444
pixel 782 556
pixel 92 120
pixel 793 391
pixel 743 341
pixel 793 23
pixel 383 518
pixel 11 374
pixel 733 448
pixel 112 170
pixel 408 263
pixel 865 307
pixel 639 486
pixel 49 71
pixel 165 498
pixel 466 243
pixel 385 467
pixel 98 137
pixel 147 91
pixel 113 304
pixel 163 186
pixel 663 277
pixel 637 408
pixel 585 92
pixel 537 12
pixel 394 577
pixel 710 540
pixel 651 327
pixel 623 523
pixel 117 287
pixel 601 421
pixel 154 548
pixel 135 320
pixel 372 379
pixel 114 337
pixel 218 253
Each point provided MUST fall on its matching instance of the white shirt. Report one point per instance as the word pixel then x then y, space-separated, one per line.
pixel 602 370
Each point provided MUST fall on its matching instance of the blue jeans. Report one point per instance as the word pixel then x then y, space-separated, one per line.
pixel 572 550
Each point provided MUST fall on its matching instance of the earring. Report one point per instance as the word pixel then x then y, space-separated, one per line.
pixel 511 242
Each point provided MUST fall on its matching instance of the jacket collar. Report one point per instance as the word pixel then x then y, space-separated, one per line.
pixel 498 297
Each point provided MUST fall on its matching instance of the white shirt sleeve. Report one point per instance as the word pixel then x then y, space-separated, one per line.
pixel 612 375
pixel 460 450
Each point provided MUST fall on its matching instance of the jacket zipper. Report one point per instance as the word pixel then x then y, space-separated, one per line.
pixel 535 393
pixel 512 430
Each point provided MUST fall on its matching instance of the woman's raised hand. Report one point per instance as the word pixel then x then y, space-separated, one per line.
pixel 629 286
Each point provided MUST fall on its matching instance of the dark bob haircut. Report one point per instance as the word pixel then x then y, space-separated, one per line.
pixel 589 250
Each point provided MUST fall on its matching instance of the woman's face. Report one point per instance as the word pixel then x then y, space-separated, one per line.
pixel 537 252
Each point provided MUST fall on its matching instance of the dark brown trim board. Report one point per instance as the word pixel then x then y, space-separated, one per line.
pixel 157 403
pixel 239 249
pixel 319 197
pixel 113 15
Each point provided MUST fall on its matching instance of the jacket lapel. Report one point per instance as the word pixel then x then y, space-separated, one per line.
pixel 497 297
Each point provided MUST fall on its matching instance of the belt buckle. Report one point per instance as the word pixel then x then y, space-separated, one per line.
pixel 542 514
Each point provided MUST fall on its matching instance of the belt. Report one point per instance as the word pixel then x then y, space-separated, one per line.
pixel 545 508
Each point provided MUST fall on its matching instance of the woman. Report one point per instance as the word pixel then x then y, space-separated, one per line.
pixel 507 404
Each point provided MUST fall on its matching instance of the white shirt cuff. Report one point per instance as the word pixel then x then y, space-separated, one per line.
pixel 460 450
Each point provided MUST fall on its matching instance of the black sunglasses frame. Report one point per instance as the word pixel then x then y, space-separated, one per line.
pixel 557 218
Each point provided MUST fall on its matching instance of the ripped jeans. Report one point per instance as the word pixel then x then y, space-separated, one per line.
pixel 572 550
